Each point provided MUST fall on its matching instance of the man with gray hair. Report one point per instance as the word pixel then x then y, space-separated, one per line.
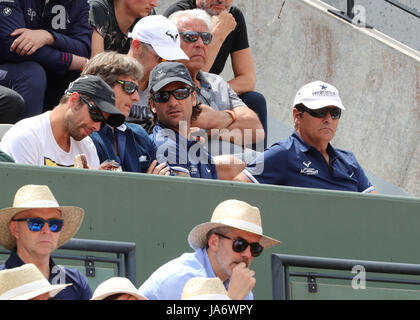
pixel 222 109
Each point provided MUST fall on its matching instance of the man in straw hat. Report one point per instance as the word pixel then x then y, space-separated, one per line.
pixel 33 228
pixel 225 247
pixel 27 283
pixel 117 288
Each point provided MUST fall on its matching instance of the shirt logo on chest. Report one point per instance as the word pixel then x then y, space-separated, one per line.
pixel 308 171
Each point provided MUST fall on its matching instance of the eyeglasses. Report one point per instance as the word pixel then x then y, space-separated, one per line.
pixel 240 245
pixel 94 112
pixel 128 86
pixel 322 113
pixel 179 94
pixel 36 224
pixel 192 36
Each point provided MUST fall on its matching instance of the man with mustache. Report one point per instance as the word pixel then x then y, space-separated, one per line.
pixel 307 159
pixel 55 137
pixel 224 248
pixel 230 38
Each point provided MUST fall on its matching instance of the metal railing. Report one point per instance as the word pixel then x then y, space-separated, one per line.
pixel 126 250
pixel 281 273
pixel 349 15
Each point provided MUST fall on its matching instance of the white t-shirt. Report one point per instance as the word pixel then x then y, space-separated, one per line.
pixel 31 141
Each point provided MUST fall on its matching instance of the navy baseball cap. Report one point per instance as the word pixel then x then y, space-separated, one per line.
pixel 167 72
pixel 101 94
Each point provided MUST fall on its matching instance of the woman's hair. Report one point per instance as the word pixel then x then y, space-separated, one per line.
pixel 110 65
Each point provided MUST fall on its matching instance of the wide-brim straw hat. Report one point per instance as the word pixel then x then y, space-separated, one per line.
pixel 116 285
pixel 231 213
pixel 36 197
pixel 198 288
pixel 26 282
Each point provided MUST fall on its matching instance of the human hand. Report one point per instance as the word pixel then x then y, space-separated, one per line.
pixel 241 282
pixel 29 41
pixel 223 24
pixel 161 169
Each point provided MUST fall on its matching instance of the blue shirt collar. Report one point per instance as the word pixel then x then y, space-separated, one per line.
pixel 304 147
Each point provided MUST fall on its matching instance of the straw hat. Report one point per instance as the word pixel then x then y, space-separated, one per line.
pixel 34 197
pixel 26 282
pixel 116 285
pixel 204 289
pixel 231 213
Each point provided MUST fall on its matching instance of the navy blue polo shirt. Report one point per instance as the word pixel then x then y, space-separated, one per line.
pixel 136 150
pixel 185 157
pixel 80 290
pixel 292 162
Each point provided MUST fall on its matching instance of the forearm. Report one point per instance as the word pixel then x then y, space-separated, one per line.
pixel 212 50
pixel 248 124
pixel 242 84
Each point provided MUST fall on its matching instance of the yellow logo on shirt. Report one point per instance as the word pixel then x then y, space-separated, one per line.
pixel 51 163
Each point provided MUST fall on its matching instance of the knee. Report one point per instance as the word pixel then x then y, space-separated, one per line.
pixel 35 76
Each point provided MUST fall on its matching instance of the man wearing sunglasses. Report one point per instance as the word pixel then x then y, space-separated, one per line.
pixel 230 38
pixel 55 137
pixel 222 109
pixel 224 248
pixel 33 228
pixel 306 158
pixel 174 104
pixel 154 39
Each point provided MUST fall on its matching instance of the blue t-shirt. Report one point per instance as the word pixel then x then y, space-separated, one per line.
pixel 292 162
pixel 167 282
pixel 136 150
pixel 185 157
pixel 80 290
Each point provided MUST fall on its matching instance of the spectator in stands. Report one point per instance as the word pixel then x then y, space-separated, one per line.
pixel 225 247
pixel 5 158
pixel 129 144
pixel 201 288
pixel 117 288
pixel 55 137
pixel 221 106
pixel 230 37
pixel 173 101
pixel 11 105
pixel 112 20
pixel 155 39
pixel 27 283
pixel 306 158
pixel 44 44
pixel 33 228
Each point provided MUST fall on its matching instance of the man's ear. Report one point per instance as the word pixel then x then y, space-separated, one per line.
pixel 152 106
pixel 74 99
pixel 136 47
pixel 13 229
pixel 213 242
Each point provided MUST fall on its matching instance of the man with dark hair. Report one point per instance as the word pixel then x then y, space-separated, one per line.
pixel 230 37
pixel 55 137
pixel 173 101
pixel 307 159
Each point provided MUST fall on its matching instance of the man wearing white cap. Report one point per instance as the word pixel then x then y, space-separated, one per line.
pixel 155 39
pixel 306 158
pixel 33 228
pixel 224 248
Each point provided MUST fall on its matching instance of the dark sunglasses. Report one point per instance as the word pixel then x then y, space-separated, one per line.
pixel 179 94
pixel 94 112
pixel 240 245
pixel 36 224
pixel 322 113
pixel 128 86
pixel 192 36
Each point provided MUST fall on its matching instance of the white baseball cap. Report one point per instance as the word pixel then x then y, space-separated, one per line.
pixel 317 95
pixel 161 34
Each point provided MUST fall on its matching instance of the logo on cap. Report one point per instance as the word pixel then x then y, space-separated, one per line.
pixel 173 36
pixel 323 87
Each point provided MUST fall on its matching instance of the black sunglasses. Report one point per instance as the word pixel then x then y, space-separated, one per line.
pixel 94 112
pixel 240 245
pixel 36 224
pixel 179 94
pixel 192 36
pixel 322 113
pixel 128 86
